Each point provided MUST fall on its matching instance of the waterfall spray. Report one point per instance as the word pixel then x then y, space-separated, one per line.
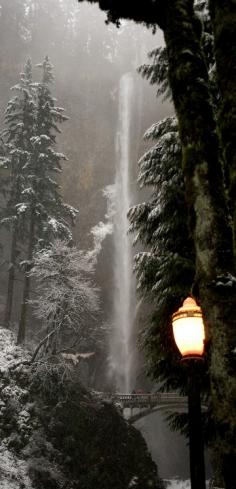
pixel 103 228
pixel 121 341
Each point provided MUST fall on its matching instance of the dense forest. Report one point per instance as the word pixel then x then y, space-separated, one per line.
pixel 117 150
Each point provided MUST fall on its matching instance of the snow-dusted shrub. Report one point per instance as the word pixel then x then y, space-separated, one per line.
pixel 67 298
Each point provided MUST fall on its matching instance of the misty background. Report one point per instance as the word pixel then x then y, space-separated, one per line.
pixel 89 59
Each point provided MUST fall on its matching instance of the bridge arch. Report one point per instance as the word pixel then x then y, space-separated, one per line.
pixel 145 404
pixel 180 406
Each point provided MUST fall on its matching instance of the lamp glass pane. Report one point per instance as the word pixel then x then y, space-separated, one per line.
pixel 189 335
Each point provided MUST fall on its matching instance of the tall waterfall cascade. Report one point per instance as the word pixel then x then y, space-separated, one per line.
pixel 121 357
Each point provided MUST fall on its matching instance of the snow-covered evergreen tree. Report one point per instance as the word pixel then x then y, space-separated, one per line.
pixel 33 212
pixel 54 217
pixel 48 215
pixel 165 270
pixel 20 122
pixel 66 295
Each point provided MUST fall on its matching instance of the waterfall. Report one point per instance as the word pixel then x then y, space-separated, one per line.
pixel 121 357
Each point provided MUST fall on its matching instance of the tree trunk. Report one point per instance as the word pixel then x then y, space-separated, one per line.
pixel 11 280
pixel 27 282
pixel 207 210
pixel 24 309
pixel 223 16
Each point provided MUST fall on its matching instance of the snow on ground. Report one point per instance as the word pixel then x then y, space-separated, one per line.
pixel 10 354
pixel 13 471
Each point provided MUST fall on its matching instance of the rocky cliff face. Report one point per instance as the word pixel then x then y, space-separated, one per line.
pixel 55 435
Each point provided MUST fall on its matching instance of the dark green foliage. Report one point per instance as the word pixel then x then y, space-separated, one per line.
pixel 223 18
pixel 159 75
pixel 99 449
pixel 52 217
pixel 157 70
pixel 165 272
pixel 20 117
pixel 34 211
pixel 30 161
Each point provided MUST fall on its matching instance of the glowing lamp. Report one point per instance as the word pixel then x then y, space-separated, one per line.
pixel 188 329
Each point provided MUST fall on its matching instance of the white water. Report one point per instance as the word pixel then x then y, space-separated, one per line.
pixel 121 344
pixel 181 484
pixel 178 484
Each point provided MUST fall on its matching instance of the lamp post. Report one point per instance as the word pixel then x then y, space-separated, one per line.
pixel 189 335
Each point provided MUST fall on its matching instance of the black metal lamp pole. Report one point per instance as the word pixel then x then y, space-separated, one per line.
pixel 196 445
pixel 189 335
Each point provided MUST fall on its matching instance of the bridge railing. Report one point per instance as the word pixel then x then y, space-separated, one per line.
pixel 147 399
pixel 142 399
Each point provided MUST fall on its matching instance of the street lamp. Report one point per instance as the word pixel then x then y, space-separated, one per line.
pixel 188 329
pixel 189 335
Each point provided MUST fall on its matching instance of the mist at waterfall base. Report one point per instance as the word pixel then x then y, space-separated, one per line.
pixel 169 450
pixel 178 484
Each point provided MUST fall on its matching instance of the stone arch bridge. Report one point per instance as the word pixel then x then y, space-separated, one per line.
pixel 137 406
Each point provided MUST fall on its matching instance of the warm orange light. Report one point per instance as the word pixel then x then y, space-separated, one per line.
pixel 188 329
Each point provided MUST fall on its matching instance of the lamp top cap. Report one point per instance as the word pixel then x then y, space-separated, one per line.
pixel 189 305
